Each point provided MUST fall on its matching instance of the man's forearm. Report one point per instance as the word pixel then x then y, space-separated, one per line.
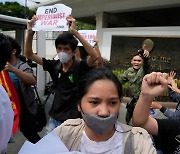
pixel 25 77
pixel 177 90
pixel 141 111
pixel 28 45
pixel 90 50
pixel 174 96
pixel 172 114
pixel 146 65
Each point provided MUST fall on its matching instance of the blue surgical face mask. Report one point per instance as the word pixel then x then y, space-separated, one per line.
pixel 64 57
pixel 98 124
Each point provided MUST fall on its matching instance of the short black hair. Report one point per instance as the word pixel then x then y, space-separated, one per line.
pixel 93 75
pixel 137 54
pixel 15 45
pixel 5 50
pixel 66 38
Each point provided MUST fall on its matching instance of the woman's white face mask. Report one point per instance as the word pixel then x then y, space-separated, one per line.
pixel 64 57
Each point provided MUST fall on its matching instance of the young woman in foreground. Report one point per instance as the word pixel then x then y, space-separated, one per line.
pixel 99 96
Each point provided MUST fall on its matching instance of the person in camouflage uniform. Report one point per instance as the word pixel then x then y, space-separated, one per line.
pixel 134 75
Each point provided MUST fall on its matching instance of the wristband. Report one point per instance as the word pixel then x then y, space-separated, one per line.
pixel 163 109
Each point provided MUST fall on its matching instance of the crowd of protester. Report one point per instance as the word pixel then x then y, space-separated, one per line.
pixel 87 98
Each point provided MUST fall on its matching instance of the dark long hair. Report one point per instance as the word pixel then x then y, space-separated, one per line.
pixel 5 50
pixel 96 74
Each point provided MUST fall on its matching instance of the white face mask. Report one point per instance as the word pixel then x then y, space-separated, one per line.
pixel 64 57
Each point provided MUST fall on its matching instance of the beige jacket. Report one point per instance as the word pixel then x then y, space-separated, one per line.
pixel 71 130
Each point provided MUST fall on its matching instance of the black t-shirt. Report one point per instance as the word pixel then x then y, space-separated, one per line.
pixel 64 105
pixel 168 139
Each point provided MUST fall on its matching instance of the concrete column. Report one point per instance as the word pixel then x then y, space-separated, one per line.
pixel 101 22
pixel 41 51
pixel 20 37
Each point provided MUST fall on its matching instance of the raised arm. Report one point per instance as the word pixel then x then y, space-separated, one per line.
pixel 174 96
pixel 27 78
pixel 174 92
pixel 89 49
pixel 172 85
pixel 28 52
pixel 153 85
pixel 170 113
pixel 99 61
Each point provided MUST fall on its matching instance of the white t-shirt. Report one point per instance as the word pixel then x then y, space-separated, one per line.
pixel 6 119
pixel 111 146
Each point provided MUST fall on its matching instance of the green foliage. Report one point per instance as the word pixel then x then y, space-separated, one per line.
pixel 178 83
pixel 118 72
pixel 83 26
pixel 16 10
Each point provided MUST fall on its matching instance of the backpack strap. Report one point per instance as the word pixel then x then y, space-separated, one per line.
pixel 38 100
pixel 19 64
pixel 129 145
pixel 128 141
pixel 37 96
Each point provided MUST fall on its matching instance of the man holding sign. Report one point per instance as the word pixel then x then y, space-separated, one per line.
pixel 64 72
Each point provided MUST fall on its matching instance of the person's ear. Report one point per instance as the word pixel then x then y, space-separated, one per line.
pixel 74 52
pixel 14 51
pixel 131 61
pixel 79 108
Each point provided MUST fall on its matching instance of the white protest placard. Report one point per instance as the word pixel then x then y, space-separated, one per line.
pixel 52 18
pixel 49 144
pixel 88 35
